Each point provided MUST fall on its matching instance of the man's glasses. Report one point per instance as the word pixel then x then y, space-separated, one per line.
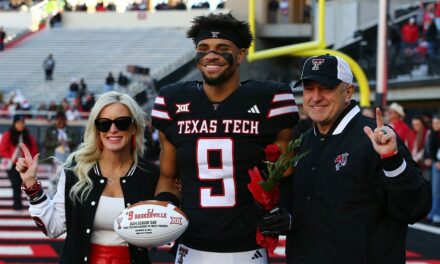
pixel 122 123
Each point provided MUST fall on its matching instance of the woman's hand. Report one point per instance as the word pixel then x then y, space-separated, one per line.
pixel 27 166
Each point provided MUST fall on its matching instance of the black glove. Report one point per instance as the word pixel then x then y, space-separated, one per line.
pixel 276 222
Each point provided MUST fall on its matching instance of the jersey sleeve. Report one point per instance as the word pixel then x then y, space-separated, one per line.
pixel 161 115
pixel 283 111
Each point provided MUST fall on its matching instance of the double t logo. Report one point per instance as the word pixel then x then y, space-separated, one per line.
pixel 316 64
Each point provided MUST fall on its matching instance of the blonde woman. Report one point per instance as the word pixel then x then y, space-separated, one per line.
pixel 102 177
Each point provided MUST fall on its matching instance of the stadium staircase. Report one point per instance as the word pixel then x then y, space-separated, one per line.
pixel 90 54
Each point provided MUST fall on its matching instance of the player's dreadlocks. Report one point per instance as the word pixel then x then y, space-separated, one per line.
pixel 223 21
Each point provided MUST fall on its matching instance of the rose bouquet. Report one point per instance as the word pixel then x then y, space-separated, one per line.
pixel 264 186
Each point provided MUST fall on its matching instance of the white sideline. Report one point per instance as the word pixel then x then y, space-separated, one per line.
pixel 16 250
pixel 426 228
pixel 15 234
pixel 17 223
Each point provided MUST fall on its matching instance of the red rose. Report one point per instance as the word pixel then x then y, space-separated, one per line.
pixel 272 152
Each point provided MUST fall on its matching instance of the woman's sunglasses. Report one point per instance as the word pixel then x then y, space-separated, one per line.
pixel 122 123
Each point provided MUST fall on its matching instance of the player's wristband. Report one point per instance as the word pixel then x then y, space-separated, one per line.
pixel 168 197
pixel 388 155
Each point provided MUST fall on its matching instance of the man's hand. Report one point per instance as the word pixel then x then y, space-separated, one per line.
pixel 276 222
pixel 383 138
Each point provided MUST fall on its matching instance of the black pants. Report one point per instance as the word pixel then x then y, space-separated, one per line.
pixel 49 74
pixel 16 182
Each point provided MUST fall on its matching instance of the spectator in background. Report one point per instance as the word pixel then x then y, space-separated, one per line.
pixel 205 5
pixel 82 87
pixel 100 7
pixel 431 39
pixel 49 66
pixel 89 101
pixel 55 21
pixel 109 82
pixel 122 80
pixel 2 38
pixel 73 113
pixel 65 105
pixel 437 15
pixel 418 139
pixel 434 152
pixel 395 50
pixel 52 106
pixel 82 7
pixel 272 10
pixel 284 10
pixel 17 133
pixel 428 16
pixel 410 34
pixel 161 6
pixel 26 106
pixel 307 13
pixel 42 108
pixel 59 141
pixel 73 88
pixel 111 6
pixel 394 116
pixel 180 6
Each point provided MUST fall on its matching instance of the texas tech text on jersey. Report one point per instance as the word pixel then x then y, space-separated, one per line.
pixel 228 126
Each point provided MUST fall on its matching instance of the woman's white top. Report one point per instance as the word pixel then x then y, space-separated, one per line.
pixel 103 233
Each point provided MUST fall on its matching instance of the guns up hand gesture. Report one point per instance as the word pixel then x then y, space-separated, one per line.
pixel 383 137
pixel 27 166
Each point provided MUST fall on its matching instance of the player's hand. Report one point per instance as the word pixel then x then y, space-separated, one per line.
pixel 27 166
pixel 276 222
pixel 383 137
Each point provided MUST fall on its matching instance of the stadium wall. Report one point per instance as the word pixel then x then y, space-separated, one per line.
pixel 15 19
pixel 169 18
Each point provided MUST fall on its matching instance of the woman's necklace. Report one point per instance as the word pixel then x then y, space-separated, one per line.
pixel 111 180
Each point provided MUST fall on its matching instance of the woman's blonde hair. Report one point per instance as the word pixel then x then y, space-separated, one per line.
pixel 88 152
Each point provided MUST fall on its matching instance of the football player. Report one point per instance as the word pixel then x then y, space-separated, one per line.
pixel 211 133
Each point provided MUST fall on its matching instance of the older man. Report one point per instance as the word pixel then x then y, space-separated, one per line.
pixel 355 192
pixel 394 116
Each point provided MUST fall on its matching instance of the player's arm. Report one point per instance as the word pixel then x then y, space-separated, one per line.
pixel 166 188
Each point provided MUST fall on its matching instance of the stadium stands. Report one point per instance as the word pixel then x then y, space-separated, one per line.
pixel 90 54
pixel 14 33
